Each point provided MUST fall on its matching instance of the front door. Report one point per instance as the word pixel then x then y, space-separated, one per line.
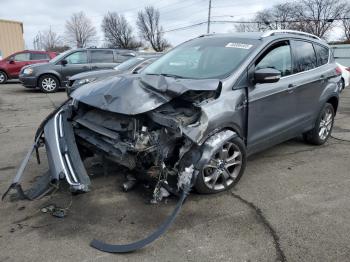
pixel 16 62
pixel 77 62
pixel 271 113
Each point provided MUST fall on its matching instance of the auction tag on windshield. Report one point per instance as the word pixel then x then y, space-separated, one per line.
pixel 239 45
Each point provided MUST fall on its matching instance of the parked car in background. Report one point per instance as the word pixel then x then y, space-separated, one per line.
pixel 345 76
pixel 133 66
pixel 11 66
pixel 49 77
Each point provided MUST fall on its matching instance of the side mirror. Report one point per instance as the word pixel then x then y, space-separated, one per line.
pixel 11 62
pixel 64 62
pixel 266 75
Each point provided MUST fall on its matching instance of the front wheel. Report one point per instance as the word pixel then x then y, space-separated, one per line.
pixel 3 77
pixel 224 167
pixel 323 128
pixel 48 84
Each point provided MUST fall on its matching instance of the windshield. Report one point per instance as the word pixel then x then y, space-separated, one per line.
pixel 202 58
pixel 59 57
pixel 129 64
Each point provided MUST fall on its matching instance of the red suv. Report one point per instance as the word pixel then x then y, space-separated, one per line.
pixel 12 65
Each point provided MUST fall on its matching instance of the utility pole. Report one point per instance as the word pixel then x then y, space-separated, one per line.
pixel 209 15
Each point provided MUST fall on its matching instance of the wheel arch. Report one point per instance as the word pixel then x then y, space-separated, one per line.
pixel 4 71
pixel 334 101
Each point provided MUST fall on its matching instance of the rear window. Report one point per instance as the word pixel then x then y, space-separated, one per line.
pixel 305 56
pixel 102 56
pixel 322 54
pixel 39 56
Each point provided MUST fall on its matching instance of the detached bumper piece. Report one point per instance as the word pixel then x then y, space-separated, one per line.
pixel 56 133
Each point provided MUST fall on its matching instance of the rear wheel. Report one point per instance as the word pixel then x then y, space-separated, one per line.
pixel 3 77
pixel 323 128
pixel 48 84
pixel 224 168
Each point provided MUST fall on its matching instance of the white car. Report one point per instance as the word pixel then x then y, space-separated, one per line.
pixel 345 76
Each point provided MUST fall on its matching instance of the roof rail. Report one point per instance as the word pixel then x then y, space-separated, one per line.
pixel 273 32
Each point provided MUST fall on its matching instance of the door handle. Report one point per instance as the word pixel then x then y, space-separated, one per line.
pixel 94 67
pixel 85 67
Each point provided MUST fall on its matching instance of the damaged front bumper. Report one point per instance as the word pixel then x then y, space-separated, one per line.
pixel 56 134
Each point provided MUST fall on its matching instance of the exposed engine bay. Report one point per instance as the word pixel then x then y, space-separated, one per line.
pixel 150 145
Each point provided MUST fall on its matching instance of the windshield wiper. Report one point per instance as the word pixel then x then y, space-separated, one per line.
pixel 168 75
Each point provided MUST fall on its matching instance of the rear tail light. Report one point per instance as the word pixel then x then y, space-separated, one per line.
pixel 338 70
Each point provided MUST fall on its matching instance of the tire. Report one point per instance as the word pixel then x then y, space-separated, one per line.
pixel 3 77
pixel 342 85
pixel 49 84
pixel 323 127
pixel 224 168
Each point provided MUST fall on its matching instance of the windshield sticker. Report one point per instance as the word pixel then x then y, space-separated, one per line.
pixel 239 45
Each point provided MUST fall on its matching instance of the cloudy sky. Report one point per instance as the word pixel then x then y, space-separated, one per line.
pixel 39 15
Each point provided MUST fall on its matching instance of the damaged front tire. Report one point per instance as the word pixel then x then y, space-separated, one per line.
pixel 224 164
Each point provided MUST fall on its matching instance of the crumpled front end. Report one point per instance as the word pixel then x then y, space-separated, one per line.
pixel 151 125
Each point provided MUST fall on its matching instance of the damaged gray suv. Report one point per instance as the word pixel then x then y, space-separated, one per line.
pixel 193 116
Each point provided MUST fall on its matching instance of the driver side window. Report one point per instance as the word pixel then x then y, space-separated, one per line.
pixel 277 57
pixel 77 58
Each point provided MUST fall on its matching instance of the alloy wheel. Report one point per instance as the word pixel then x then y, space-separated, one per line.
pixel 49 84
pixel 326 124
pixel 223 167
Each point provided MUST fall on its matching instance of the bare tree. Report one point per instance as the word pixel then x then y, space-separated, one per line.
pixel 50 40
pixel 247 26
pixel 312 16
pixel 150 30
pixel 118 32
pixel 47 40
pixel 346 21
pixel 80 30
pixel 317 16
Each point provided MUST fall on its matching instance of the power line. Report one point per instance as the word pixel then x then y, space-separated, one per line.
pixel 254 22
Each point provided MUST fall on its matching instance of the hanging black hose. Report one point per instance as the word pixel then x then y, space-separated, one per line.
pixel 142 243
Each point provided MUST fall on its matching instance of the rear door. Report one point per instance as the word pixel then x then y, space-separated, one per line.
pixel 77 62
pixel 309 83
pixel 271 113
pixel 16 62
pixel 102 59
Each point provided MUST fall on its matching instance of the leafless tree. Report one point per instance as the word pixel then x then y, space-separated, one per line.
pixel 312 16
pixel 47 40
pixel 80 31
pixel 317 16
pixel 346 21
pixel 150 30
pixel 50 40
pixel 118 32
pixel 247 26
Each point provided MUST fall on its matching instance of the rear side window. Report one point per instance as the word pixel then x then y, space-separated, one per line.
pixel 102 56
pixel 305 57
pixel 39 56
pixel 322 54
pixel 277 57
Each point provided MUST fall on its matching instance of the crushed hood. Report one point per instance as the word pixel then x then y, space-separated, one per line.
pixel 136 94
